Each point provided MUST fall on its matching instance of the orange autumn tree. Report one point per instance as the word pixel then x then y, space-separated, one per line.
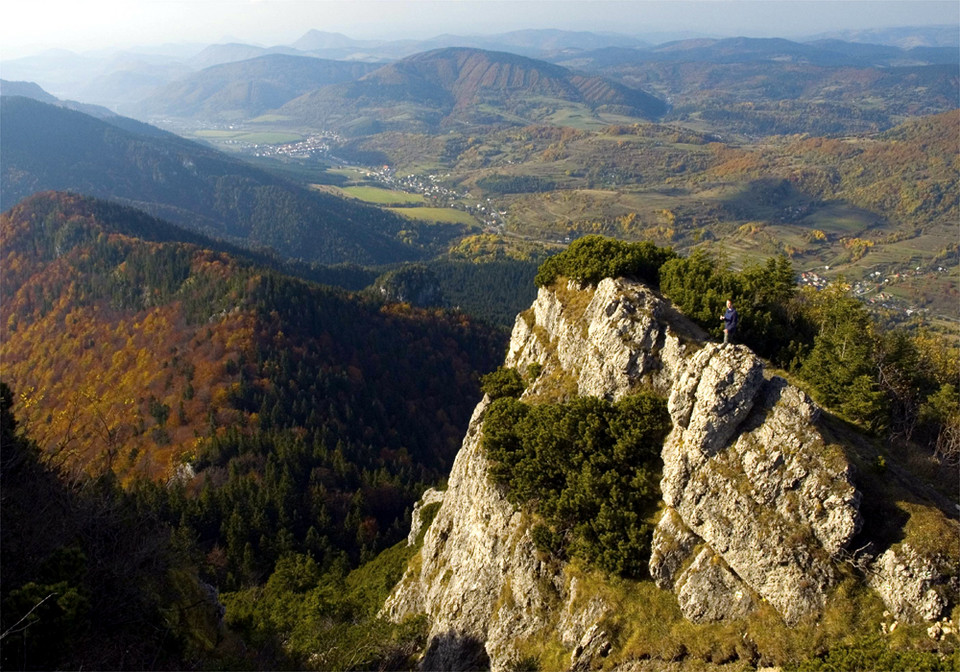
pixel 112 370
pixel 294 417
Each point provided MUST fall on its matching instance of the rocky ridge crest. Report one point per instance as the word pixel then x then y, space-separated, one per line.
pixel 758 504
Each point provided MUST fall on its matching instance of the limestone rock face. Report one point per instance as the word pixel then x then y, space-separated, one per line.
pixel 594 644
pixel 429 497
pixel 479 574
pixel 673 543
pixel 611 339
pixel 713 395
pixel 757 501
pixel 912 585
pixel 748 473
pixel 709 591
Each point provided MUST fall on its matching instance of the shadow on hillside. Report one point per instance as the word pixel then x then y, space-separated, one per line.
pixel 680 324
pixel 768 198
pixel 455 652
pixel 896 481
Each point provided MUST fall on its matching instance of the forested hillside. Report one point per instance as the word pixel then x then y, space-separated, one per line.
pixel 758 87
pixel 49 148
pixel 246 89
pixel 441 87
pixel 906 174
pixel 88 580
pixel 283 416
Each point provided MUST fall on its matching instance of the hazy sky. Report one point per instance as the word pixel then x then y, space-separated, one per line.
pixel 29 26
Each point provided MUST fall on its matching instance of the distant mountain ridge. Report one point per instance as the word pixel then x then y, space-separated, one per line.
pixel 219 54
pixel 905 37
pixel 248 88
pixel 466 84
pixel 317 40
pixel 34 91
pixel 119 79
pixel 778 87
pixel 50 148
pixel 825 53
pixel 27 90
pixel 460 84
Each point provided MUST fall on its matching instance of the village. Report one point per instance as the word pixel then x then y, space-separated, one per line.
pixel 872 290
pixel 313 147
pixel 431 188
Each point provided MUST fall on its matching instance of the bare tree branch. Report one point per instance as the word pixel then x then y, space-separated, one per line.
pixel 12 629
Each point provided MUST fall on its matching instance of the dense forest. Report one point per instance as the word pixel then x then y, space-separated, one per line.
pixel 88 577
pixel 251 415
pixel 494 290
pixel 515 184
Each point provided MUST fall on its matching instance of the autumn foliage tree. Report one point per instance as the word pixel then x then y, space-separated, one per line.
pixel 287 417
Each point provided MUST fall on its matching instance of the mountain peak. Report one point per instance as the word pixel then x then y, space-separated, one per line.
pixel 315 39
pixel 467 85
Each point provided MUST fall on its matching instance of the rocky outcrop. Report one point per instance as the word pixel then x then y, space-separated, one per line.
pixel 758 503
pixel 747 472
pixel 479 577
pixel 428 498
pixel 593 645
pixel 611 340
pixel 914 586
pixel 708 590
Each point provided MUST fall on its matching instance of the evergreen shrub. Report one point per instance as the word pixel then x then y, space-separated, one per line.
pixel 592 258
pixel 590 469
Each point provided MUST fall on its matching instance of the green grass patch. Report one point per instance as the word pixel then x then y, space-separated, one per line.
pixel 382 196
pixel 351 173
pixel 216 134
pixel 329 189
pixel 269 119
pixel 645 623
pixel 438 215
pixel 254 138
pixel 581 119
pixel 840 219
pixel 270 137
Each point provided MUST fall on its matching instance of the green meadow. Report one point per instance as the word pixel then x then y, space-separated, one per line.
pixel 439 215
pixel 382 196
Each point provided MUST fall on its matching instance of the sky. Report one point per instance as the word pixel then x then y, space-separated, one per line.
pixel 31 26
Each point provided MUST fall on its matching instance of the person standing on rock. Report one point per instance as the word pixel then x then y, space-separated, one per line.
pixel 730 319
